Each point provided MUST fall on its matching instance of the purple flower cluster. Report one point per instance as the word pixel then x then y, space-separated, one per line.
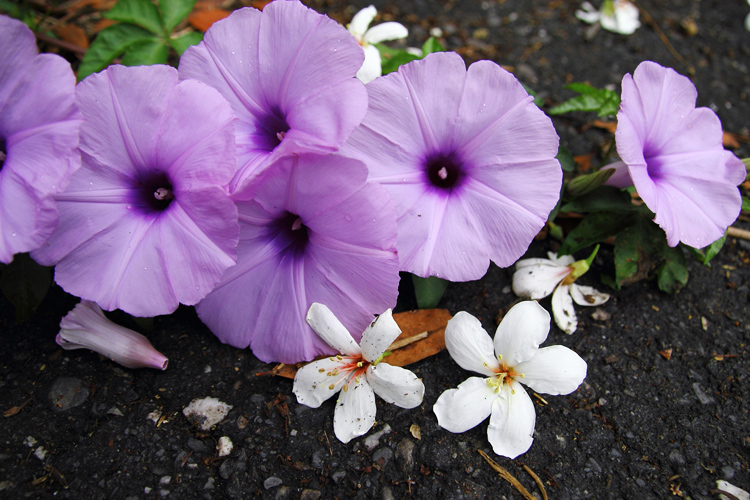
pixel 262 176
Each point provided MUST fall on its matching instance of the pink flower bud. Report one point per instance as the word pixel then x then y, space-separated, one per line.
pixel 86 327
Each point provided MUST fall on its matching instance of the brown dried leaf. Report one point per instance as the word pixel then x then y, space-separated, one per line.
pixel 11 411
pixel 666 354
pixel 608 126
pixel 72 34
pixel 729 140
pixel 203 19
pixel 583 162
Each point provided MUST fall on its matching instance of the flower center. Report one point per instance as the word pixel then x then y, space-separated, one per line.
pixel 155 193
pixel 274 128
pixel 3 152
pixel 503 375
pixel 352 368
pixel 443 171
pixel 292 232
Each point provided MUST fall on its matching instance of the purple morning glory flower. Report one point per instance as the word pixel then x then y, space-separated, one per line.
pixel 468 158
pixel 289 74
pixel 672 152
pixel 312 229
pixel 39 125
pixel 146 223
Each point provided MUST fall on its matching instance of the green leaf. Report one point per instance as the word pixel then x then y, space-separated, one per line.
pixel 672 274
pixel 139 12
pixel 604 199
pixel 604 102
pixel 704 255
pixel 595 228
pixel 634 248
pixel 565 157
pixel 25 283
pixel 174 11
pixel 584 184
pixel 432 45
pixel 109 44
pixel 745 203
pixel 146 52
pixel 391 59
pixel 181 44
pixel 429 291
pixel 10 8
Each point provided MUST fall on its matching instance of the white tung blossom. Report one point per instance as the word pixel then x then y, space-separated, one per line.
pixel 537 278
pixel 618 16
pixel 371 68
pixel 513 359
pixel 356 374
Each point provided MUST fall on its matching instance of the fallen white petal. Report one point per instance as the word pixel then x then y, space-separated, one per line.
pixel 206 412
pixel 329 328
pixel 511 429
pixel 563 310
pixel 224 446
pixel 553 370
pixel 588 14
pixel 519 334
pixel 465 407
pixel 587 296
pixel 727 487
pixel 470 345
pixel 312 382
pixel 396 385
pixel 386 31
pixel 371 68
pixel 539 280
pixel 355 411
pixel 361 21
pixel 378 336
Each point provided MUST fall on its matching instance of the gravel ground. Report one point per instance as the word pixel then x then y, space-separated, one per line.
pixel 641 426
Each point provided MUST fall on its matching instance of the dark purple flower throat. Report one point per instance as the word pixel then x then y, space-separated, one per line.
pixel 275 127
pixel 443 170
pixel 155 193
pixel 292 233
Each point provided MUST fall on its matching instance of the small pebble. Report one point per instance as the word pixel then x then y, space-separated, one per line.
pixel 272 482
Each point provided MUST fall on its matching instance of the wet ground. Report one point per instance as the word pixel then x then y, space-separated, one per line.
pixel 663 412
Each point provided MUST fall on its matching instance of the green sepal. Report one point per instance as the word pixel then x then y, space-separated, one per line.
pixel 584 184
pixel 705 254
pixel 428 291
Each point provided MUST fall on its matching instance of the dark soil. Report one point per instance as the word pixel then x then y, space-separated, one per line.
pixel 641 426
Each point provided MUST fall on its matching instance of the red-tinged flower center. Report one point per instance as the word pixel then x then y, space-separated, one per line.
pixel 352 368
pixel 443 170
pixel 503 375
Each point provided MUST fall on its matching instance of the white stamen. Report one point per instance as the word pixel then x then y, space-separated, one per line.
pixel 163 194
pixel 297 224
pixel 443 173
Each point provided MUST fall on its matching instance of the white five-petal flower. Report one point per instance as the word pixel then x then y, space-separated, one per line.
pixel 537 278
pixel 356 374
pixel 371 68
pixel 618 16
pixel 516 360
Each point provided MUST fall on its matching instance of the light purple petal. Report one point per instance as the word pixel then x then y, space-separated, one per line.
pixel 675 156
pixel 116 244
pixel 39 126
pixel 355 410
pixel 553 370
pixel 511 429
pixel 279 68
pixel 86 327
pixel 465 407
pixel 520 332
pixel 469 344
pixel 396 385
pixel 347 260
pixel 500 149
pixel 621 178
